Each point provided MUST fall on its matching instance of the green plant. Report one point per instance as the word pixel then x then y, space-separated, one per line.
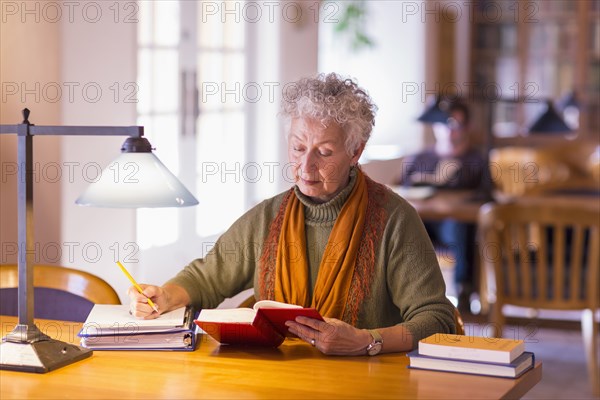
pixel 352 24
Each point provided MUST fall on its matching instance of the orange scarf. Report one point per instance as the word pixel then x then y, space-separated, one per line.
pixel 347 268
pixel 337 265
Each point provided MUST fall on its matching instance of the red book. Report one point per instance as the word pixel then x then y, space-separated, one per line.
pixel 263 325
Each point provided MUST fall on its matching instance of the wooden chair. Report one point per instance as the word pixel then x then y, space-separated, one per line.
pixel 248 303
pixel 522 171
pixel 59 293
pixel 458 322
pixel 545 256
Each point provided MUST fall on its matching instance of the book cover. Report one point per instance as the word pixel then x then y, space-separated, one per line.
pixel 263 325
pixel 518 367
pixel 473 348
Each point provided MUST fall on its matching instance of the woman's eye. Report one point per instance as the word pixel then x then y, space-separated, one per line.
pixel 325 153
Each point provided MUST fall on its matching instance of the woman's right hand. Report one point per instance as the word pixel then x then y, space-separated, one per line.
pixel 166 298
pixel 139 306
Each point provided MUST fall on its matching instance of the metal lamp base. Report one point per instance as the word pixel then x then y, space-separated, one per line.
pixel 40 357
pixel 27 349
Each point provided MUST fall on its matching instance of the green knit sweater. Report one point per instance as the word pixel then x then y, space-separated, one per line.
pixel 407 288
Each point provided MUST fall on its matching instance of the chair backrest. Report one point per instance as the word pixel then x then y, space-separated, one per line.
pixel 520 171
pixel 59 292
pixel 543 255
pixel 248 303
pixel 458 322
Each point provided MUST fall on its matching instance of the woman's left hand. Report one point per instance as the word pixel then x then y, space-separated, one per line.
pixel 331 336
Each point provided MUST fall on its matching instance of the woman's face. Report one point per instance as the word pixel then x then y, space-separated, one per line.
pixel 319 159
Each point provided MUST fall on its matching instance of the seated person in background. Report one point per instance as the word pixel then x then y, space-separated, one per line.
pixel 452 164
pixel 336 241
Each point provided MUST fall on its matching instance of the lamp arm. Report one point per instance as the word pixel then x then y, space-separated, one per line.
pixel 9 129
pixel 131 131
pixel 39 130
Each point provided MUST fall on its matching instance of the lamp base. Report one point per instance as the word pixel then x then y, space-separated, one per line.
pixel 40 357
pixel 27 349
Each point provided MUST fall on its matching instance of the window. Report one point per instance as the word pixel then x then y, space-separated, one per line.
pixel 190 69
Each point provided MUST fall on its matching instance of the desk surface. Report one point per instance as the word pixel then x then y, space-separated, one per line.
pixel 294 370
pixel 463 205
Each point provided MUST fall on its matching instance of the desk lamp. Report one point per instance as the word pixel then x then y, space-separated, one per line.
pixel 549 122
pixel 151 184
pixel 569 106
pixel 434 113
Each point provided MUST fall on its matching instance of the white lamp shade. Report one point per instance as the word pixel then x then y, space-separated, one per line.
pixel 136 180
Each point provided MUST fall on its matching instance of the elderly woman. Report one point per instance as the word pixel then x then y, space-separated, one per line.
pixel 336 241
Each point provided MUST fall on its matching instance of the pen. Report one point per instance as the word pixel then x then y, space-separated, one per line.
pixel 135 284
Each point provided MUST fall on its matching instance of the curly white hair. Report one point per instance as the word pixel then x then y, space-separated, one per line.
pixel 330 98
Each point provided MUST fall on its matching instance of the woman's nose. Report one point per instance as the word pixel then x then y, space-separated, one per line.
pixel 308 162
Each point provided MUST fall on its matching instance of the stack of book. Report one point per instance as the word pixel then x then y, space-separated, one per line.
pixel 472 355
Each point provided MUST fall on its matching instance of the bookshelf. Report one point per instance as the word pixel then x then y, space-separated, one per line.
pixel 524 52
pixel 592 84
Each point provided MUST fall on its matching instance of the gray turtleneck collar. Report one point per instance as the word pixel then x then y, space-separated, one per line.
pixel 328 211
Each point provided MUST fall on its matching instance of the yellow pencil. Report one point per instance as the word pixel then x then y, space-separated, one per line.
pixel 135 284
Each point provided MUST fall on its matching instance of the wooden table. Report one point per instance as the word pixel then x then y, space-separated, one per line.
pixel 463 205
pixel 572 199
pixel 460 205
pixel 294 370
